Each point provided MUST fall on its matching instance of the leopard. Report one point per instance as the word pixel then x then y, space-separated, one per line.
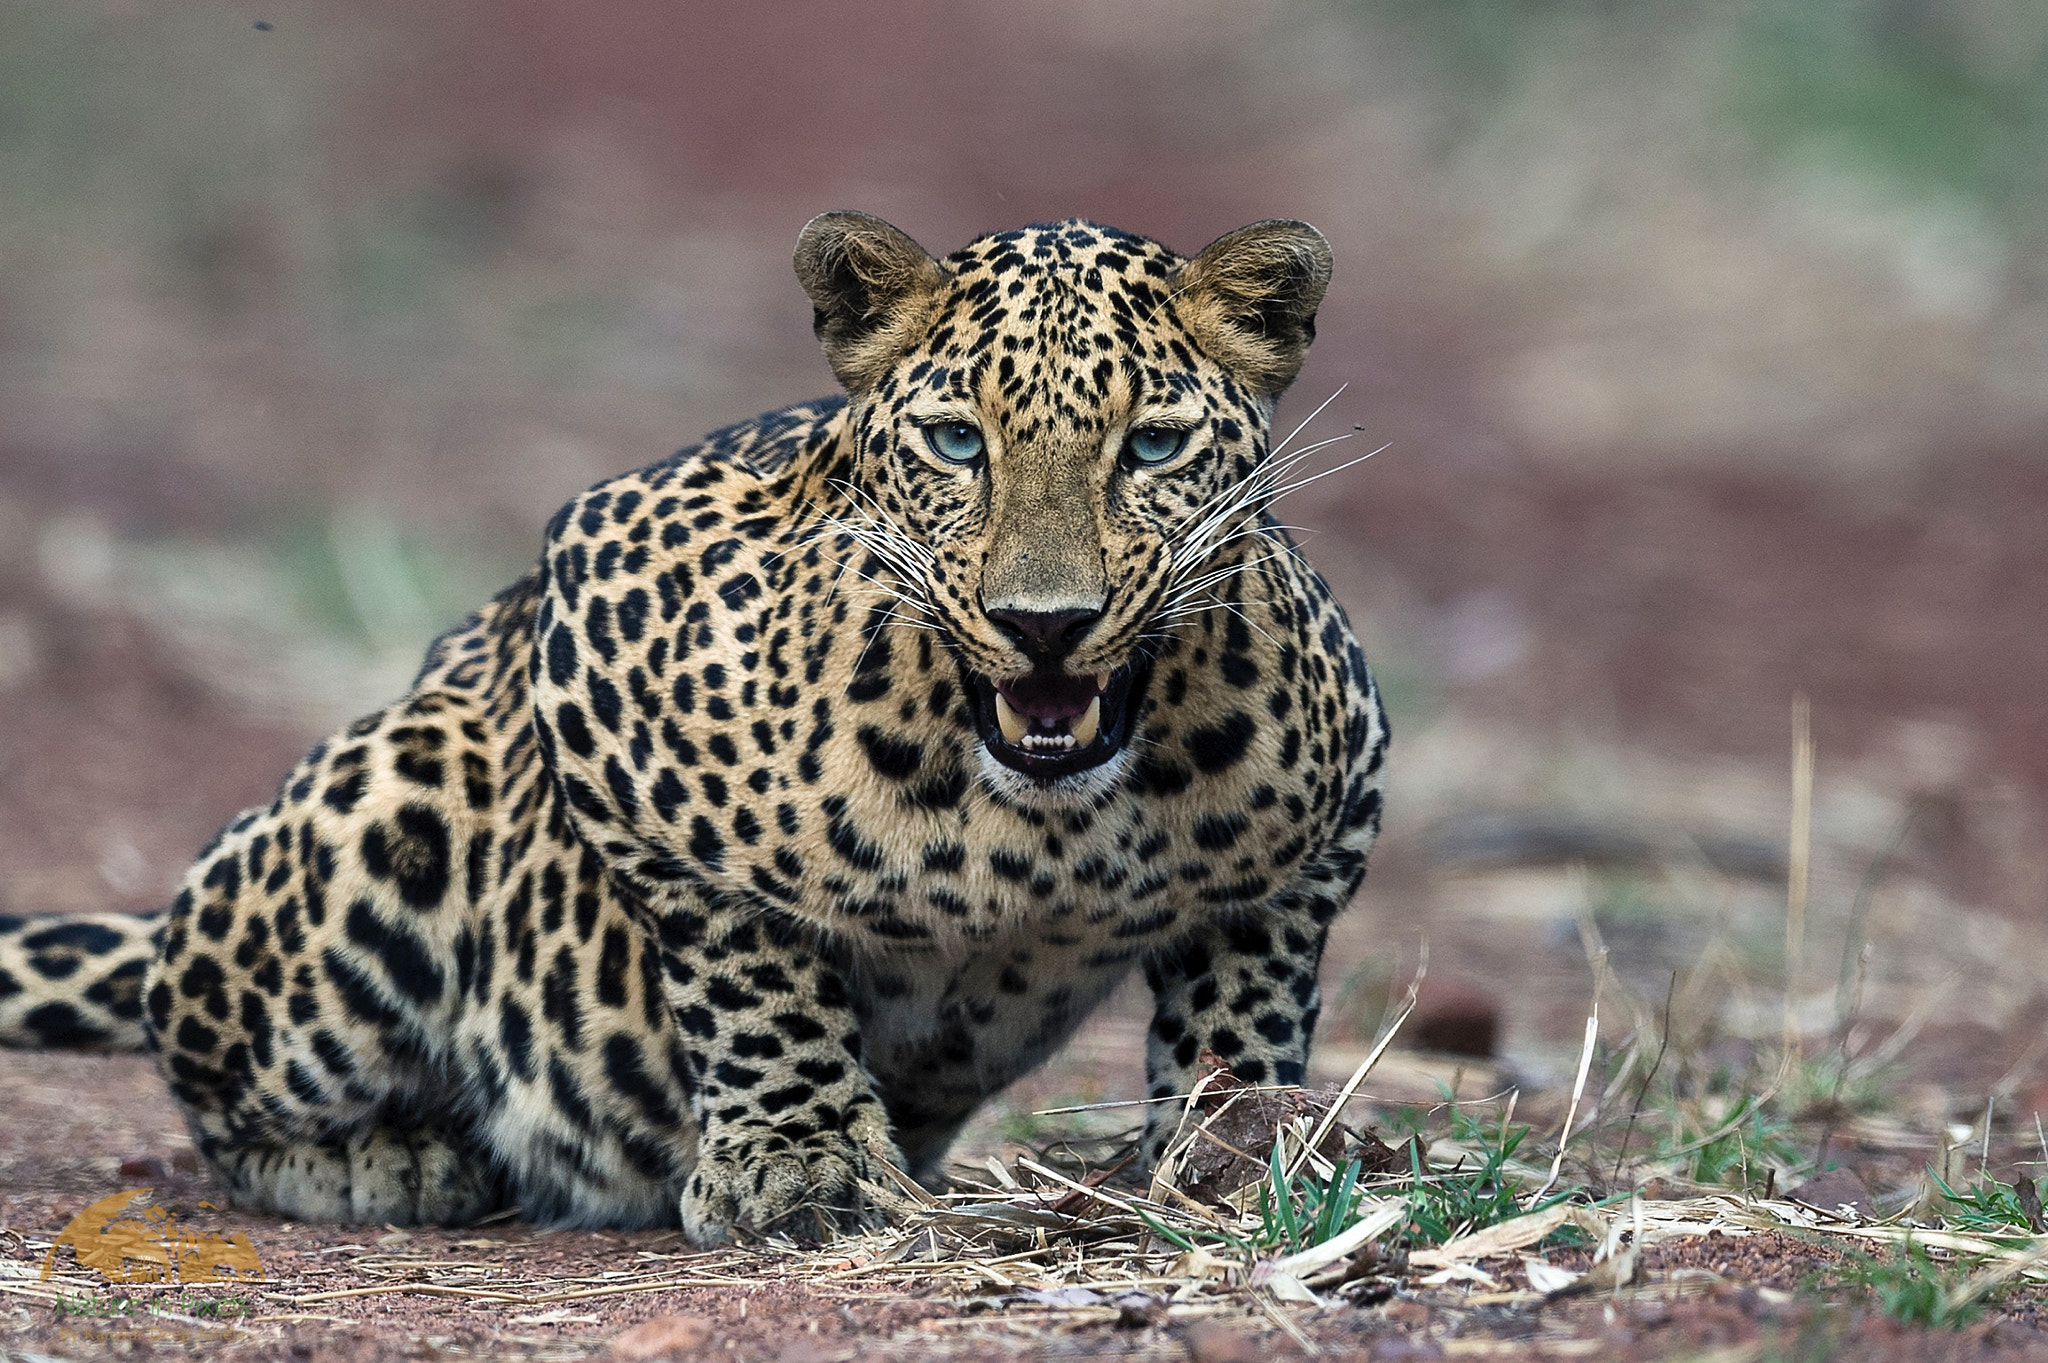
pixel 814 785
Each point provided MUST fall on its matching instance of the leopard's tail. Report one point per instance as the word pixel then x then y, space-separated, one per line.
pixel 75 980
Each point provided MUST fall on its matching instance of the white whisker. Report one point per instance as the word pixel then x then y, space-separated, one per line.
pixel 876 517
pixel 1250 529
pixel 1254 626
pixel 1259 491
pixel 914 601
pixel 907 622
pixel 845 566
pixel 1250 503
pixel 1312 416
pixel 1214 575
pixel 1299 484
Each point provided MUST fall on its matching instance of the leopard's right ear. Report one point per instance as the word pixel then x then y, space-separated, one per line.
pixel 870 286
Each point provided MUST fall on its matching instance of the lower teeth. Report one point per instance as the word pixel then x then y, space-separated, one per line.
pixel 1016 728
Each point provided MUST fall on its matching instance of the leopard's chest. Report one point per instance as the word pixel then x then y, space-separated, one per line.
pixel 970 968
pixel 951 1031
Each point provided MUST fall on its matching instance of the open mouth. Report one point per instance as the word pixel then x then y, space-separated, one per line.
pixel 1051 724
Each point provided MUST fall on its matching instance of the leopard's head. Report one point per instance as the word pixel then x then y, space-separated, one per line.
pixel 1054 433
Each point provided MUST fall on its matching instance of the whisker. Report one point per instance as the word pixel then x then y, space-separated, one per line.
pixel 845 566
pixel 1219 574
pixel 910 598
pixel 1253 529
pixel 1251 502
pixel 1312 416
pixel 872 511
pixel 1238 611
pixel 909 572
pixel 893 618
pixel 1299 484
pixel 878 532
pixel 1259 487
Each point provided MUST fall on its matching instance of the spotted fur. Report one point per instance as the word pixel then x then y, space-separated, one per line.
pixel 696 875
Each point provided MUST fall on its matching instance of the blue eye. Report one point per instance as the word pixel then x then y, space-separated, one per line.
pixel 956 442
pixel 1155 444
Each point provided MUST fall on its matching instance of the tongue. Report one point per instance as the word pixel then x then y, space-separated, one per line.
pixel 1050 698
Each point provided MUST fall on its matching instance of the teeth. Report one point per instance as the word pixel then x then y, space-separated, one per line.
pixel 1089 724
pixel 1017 728
pixel 1007 718
pixel 1101 681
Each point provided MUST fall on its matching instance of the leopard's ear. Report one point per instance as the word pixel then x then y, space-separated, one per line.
pixel 1251 298
pixel 869 285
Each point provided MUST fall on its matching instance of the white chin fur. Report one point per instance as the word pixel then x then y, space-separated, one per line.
pixel 1083 787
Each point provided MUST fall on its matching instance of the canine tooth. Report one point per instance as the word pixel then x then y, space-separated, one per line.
pixel 1089 724
pixel 1102 681
pixel 1007 718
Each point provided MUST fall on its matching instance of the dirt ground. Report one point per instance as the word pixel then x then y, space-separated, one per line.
pixel 81 1125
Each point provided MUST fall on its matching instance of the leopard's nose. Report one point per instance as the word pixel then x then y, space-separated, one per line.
pixel 1046 637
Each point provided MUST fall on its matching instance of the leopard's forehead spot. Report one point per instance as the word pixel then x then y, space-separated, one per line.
pixel 1058 315
pixel 1057 278
pixel 1075 246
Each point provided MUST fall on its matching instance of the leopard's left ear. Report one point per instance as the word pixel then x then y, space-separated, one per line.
pixel 867 281
pixel 1251 298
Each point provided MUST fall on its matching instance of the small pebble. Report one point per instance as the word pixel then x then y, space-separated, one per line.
pixel 1209 1342
pixel 143 1167
pixel 662 1337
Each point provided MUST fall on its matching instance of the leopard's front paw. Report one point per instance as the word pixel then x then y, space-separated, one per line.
pixel 809 1187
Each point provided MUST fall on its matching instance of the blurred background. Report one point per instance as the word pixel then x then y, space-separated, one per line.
pixel 1708 342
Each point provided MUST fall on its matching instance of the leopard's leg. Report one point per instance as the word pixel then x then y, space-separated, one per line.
pixel 789 1123
pixel 579 1082
pixel 1245 990
pixel 307 981
pixel 925 1147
